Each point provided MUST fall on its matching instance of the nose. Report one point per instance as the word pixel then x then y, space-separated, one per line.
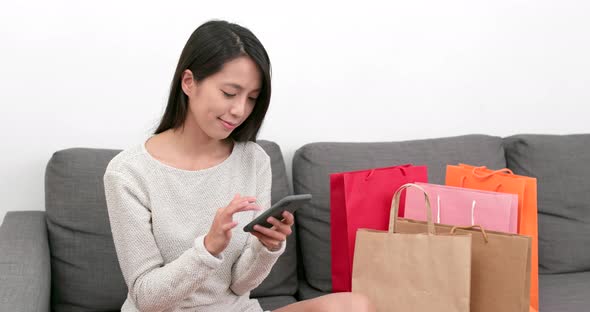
pixel 239 107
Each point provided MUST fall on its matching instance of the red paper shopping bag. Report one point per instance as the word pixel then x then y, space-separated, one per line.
pixel 362 199
pixel 505 181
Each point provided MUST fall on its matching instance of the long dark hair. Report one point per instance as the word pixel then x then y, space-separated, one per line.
pixel 209 47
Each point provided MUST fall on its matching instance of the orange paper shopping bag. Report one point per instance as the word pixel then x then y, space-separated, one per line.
pixel 505 181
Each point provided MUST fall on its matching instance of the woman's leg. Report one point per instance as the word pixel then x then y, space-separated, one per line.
pixel 340 302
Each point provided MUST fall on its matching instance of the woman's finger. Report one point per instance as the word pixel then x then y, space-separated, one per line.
pixel 280 226
pixel 263 239
pixel 233 208
pixel 238 200
pixel 266 241
pixel 270 233
pixel 248 208
pixel 228 226
pixel 289 218
pixel 258 235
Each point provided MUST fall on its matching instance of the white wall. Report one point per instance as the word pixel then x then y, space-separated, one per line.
pixel 96 74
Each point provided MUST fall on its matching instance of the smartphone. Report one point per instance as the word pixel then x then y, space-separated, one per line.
pixel 289 203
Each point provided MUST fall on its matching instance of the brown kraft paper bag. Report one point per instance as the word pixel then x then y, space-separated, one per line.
pixel 500 267
pixel 422 271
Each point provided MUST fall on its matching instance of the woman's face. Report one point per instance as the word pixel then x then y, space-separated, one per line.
pixel 221 102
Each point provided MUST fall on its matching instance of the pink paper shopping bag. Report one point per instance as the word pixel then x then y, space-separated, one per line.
pixel 465 207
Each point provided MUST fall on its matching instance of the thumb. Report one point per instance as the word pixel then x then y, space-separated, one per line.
pixel 227 227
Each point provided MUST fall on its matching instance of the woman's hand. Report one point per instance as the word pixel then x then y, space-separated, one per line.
pixel 272 238
pixel 219 234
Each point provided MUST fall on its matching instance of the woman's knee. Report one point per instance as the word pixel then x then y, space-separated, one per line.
pixel 351 302
pixel 361 302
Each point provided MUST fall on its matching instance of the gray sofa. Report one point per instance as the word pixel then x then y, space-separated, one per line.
pixel 64 259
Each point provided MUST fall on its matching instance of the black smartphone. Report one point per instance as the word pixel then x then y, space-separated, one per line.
pixel 289 203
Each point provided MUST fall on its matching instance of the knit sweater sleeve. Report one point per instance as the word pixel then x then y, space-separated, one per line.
pixel 152 285
pixel 256 261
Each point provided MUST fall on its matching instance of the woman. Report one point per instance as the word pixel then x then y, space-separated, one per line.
pixel 175 200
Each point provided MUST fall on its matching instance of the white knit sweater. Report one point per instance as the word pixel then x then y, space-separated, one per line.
pixel 159 216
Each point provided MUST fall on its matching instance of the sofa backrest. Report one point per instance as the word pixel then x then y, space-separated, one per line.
pixel 313 163
pixel 84 267
pixel 561 164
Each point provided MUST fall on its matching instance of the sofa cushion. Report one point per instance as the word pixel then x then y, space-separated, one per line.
pixel 564 292
pixel 275 302
pixel 282 280
pixel 84 267
pixel 85 274
pixel 561 166
pixel 313 163
pixel 307 292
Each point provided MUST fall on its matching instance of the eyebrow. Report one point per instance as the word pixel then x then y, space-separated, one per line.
pixel 237 86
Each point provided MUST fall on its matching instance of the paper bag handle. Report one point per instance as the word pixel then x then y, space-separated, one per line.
pixel 487 175
pixel 395 208
pixel 401 168
pixel 463 178
pixel 483 231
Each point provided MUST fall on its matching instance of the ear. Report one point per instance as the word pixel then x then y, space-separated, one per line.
pixel 187 82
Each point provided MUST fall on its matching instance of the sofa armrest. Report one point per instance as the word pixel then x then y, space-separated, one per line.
pixel 25 268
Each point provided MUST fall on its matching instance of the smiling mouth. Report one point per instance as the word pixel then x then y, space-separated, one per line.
pixel 228 125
